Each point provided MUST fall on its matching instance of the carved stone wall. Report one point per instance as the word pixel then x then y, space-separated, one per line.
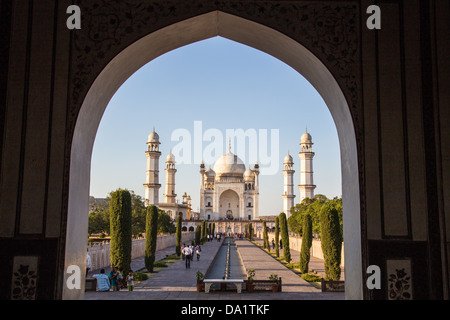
pixel 394 81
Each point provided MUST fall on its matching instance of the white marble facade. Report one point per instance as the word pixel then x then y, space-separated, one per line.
pixel 229 191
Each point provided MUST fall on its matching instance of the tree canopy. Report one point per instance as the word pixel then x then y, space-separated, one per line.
pixel 99 216
pixel 313 207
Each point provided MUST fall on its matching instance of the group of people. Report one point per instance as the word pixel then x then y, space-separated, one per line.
pixel 114 280
pixel 187 253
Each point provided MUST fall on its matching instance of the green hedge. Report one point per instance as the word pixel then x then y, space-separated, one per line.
pixel 331 237
pixel 277 237
pixel 178 237
pixel 285 237
pixel 120 229
pixel 305 254
pixel 151 230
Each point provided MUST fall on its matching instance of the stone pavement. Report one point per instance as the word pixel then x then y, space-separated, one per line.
pixel 178 283
pixel 315 264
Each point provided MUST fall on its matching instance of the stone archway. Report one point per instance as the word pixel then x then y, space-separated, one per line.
pixel 258 36
pixel 229 205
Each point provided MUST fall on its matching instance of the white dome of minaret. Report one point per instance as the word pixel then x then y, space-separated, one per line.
pixel 288 159
pixel 170 157
pixel 306 137
pixel 153 137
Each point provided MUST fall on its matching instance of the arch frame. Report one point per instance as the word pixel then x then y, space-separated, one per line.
pixel 204 26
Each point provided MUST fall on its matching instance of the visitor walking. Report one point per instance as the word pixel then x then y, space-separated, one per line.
pixel 273 244
pixel 130 281
pixel 198 249
pixel 88 262
pixel 187 254
pixel 192 252
pixel 182 248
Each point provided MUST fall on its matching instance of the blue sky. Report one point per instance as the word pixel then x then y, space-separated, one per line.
pixel 225 85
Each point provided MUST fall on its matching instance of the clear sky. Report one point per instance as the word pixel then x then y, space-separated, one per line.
pixel 214 85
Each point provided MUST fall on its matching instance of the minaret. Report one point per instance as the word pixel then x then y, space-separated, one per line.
pixel 256 192
pixel 202 189
pixel 288 196
pixel 306 155
pixel 152 175
pixel 170 179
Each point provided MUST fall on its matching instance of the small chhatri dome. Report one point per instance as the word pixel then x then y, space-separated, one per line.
pixel 170 157
pixel 210 172
pixel 288 158
pixel 153 137
pixel 248 174
pixel 306 137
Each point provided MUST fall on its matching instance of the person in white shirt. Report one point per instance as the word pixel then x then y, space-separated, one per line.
pixel 130 281
pixel 102 281
pixel 88 263
pixel 187 253
pixel 197 251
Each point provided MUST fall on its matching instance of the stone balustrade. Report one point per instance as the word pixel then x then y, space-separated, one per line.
pixel 100 253
pixel 295 243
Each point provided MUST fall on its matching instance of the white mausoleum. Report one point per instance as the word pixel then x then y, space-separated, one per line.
pixel 229 191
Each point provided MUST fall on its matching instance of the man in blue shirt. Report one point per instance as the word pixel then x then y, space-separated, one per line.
pixel 102 281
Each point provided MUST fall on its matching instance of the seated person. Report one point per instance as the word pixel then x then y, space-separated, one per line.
pixel 102 281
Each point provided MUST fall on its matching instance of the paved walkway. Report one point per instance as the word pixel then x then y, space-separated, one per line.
pixel 178 283
pixel 315 264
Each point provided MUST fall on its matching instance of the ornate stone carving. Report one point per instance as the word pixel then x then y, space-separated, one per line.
pixel 399 279
pixel 24 279
pixel 329 30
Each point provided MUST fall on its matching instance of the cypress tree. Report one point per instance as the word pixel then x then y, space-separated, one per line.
pixel 198 231
pixel 285 237
pixel 213 229
pixel 277 237
pixel 178 237
pixel 120 229
pixel 203 230
pixel 265 237
pixel 151 230
pixel 250 232
pixel 331 241
pixel 306 243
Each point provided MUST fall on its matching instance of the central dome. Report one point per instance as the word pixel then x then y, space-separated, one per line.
pixel 229 164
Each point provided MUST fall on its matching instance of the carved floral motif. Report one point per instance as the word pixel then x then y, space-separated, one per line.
pixel 328 29
pixel 24 281
pixel 399 285
pixel 399 279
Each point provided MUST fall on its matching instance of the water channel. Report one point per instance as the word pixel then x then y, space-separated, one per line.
pixel 228 263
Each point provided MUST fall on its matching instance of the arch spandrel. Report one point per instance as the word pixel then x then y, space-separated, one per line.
pixel 303 36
